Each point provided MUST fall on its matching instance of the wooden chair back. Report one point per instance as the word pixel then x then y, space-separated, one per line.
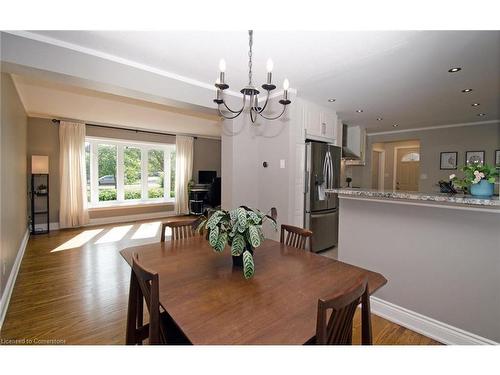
pixel 337 328
pixel 295 236
pixel 148 283
pixel 180 229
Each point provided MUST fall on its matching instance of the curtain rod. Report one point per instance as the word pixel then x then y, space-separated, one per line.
pixel 56 121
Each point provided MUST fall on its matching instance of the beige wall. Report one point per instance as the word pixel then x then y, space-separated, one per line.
pixel 13 180
pixel 43 139
pixel 484 137
pixel 207 156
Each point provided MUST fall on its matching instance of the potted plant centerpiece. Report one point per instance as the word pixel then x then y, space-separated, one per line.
pixel 479 179
pixel 241 229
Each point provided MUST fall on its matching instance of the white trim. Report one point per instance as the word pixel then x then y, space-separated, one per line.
pixel 426 326
pixel 416 202
pixel 436 127
pixel 396 161
pixel 9 287
pixel 130 218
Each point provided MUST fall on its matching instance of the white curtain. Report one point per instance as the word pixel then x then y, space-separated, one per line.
pixel 183 172
pixel 73 206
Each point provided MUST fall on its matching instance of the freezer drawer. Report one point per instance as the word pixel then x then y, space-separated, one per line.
pixel 324 226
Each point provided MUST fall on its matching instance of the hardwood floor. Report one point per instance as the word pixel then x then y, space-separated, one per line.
pixel 72 288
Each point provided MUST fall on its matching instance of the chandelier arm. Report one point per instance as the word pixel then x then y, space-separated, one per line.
pixel 273 118
pixel 228 117
pixel 265 104
pixel 252 118
pixel 230 110
pixel 242 107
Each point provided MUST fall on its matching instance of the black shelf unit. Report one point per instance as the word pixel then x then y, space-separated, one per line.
pixel 39 204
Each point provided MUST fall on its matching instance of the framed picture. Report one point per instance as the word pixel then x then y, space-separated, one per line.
pixel 472 157
pixel 448 160
pixel 497 158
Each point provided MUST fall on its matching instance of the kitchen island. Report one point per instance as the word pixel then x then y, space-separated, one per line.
pixel 439 253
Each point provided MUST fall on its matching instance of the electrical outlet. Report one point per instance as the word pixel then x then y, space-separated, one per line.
pixel 282 163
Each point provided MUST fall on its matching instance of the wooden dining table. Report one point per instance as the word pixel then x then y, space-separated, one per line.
pixel 212 302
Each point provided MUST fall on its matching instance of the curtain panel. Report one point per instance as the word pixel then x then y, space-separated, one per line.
pixel 73 210
pixel 184 150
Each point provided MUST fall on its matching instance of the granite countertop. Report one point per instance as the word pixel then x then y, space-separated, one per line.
pixel 467 200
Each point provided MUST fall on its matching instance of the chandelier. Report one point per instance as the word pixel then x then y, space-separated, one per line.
pixel 249 91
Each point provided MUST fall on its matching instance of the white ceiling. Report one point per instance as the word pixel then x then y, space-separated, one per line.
pixel 399 76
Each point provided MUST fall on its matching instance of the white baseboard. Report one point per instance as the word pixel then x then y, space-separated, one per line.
pixel 127 218
pixel 9 287
pixel 426 326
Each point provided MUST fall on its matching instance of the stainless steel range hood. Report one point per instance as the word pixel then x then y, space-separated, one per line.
pixel 348 145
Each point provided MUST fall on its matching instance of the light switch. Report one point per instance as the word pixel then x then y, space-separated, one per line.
pixel 282 163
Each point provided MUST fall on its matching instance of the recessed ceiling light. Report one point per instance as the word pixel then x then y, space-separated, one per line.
pixel 475 104
pixel 481 114
pixel 379 118
pixel 466 90
pixel 359 110
pixel 454 70
pixel 395 125
pixel 331 100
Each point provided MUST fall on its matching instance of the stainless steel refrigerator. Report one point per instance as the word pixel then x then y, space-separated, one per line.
pixel 321 209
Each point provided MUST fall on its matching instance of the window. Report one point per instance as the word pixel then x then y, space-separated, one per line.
pixel 122 172
pixel 412 156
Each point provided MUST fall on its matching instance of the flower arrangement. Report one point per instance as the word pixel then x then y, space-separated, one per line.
pixel 474 173
pixel 241 228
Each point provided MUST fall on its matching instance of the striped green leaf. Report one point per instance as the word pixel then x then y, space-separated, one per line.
pixel 254 235
pixel 242 217
pixel 221 242
pixel 213 237
pixel 254 217
pixel 248 265
pixel 238 245
pixel 214 219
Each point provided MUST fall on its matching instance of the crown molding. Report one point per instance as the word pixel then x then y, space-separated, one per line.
pixel 436 127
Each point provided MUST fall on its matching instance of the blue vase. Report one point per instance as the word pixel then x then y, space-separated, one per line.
pixel 482 189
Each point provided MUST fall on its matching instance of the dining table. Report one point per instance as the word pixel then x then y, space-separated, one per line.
pixel 212 303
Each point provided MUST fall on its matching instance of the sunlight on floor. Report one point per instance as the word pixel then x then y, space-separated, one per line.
pixel 114 234
pixel 147 230
pixel 79 240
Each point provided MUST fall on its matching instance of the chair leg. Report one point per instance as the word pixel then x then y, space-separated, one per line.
pixel 366 319
pixel 130 336
pixel 163 232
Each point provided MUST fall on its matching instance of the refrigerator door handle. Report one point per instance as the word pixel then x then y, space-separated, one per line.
pixel 306 185
pixel 317 216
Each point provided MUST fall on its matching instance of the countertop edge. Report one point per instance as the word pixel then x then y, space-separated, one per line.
pixel 458 201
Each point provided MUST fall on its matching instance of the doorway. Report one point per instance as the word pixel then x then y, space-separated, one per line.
pixel 378 169
pixel 406 168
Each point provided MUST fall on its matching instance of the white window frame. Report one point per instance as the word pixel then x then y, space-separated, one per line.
pixel 145 147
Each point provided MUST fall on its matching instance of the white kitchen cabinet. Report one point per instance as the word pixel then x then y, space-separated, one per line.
pixel 320 122
pixel 356 143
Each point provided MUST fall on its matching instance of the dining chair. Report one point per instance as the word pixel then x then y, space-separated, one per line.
pixel 295 236
pixel 161 329
pixel 180 229
pixel 336 328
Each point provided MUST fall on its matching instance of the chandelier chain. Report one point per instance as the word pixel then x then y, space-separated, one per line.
pixel 250 43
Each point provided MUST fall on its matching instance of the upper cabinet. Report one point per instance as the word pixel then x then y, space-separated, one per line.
pixel 321 124
pixel 356 144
